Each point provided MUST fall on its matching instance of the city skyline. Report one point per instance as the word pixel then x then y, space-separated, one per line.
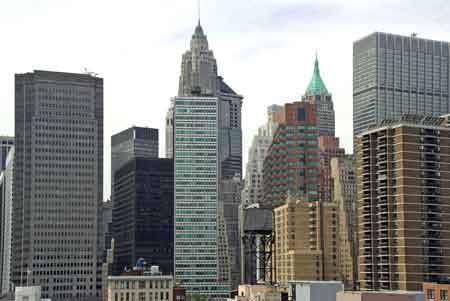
pixel 131 54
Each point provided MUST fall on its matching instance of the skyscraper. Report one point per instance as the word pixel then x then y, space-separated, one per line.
pixel 317 94
pixel 131 143
pixel 403 203
pixel 198 68
pixel 252 191
pixel 6 179
pixel 292 161
pixel 395 75
pixel 142 218
pixel 6 143
pixel 343 177
pixel 206 120
pixel 107 225
pixel 197 206
pixel 169 132
pixel 328 149
pixel 58 184
pixel 230 190
pixel 199 77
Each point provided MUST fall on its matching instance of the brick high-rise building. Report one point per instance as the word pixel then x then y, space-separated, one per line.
pixel 305 240
pixel 57 239
pixel 403 203
pixel 292 161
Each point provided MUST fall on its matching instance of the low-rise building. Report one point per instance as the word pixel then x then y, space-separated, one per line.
pixel 29 293
pixel 179 293
pixel 314 290
pixel 146 287
pixel 260 292
pixel 379 296
pixel 436 291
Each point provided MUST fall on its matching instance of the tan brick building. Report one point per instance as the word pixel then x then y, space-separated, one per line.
pixel 305 241
pixel 403 184
pixel 343 178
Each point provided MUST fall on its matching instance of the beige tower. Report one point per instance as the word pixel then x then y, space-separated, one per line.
pixel 305 241
pixel 198 68
pixel 344 196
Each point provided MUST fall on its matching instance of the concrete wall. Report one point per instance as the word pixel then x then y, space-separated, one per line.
pixel 317 291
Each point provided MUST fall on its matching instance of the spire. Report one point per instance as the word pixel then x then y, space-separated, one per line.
pixel 198 5
pixel 316 85
pixel 198 29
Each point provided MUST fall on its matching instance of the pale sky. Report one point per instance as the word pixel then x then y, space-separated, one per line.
pixel 264 50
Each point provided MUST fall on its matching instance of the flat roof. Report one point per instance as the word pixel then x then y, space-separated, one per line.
pixel 399 292
pixel 315 282
pixel 141 277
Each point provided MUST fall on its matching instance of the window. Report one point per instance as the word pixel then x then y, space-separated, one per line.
pixel 444 295
pixel 141 297
pixel 301 114
pixel 141 284
pixel 430 293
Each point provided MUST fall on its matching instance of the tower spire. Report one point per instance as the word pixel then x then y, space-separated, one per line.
pixel 316 85
pixel 199 15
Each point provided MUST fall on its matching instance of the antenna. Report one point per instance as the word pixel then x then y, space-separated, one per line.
pixel 198 7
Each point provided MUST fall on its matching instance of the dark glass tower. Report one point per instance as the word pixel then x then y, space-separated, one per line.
pixel 132 143
pixel 395 75
pixel 142 217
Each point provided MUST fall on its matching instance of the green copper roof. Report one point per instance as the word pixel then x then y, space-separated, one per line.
pixel 316 85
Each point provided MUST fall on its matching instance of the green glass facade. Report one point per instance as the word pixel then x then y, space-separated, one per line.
pixel 196 155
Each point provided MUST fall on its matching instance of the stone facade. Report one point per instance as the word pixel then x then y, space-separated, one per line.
pixel 343 177
pixel 140 288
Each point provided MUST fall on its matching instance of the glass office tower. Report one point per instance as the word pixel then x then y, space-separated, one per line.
pixel 395 75
pixel 197 226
